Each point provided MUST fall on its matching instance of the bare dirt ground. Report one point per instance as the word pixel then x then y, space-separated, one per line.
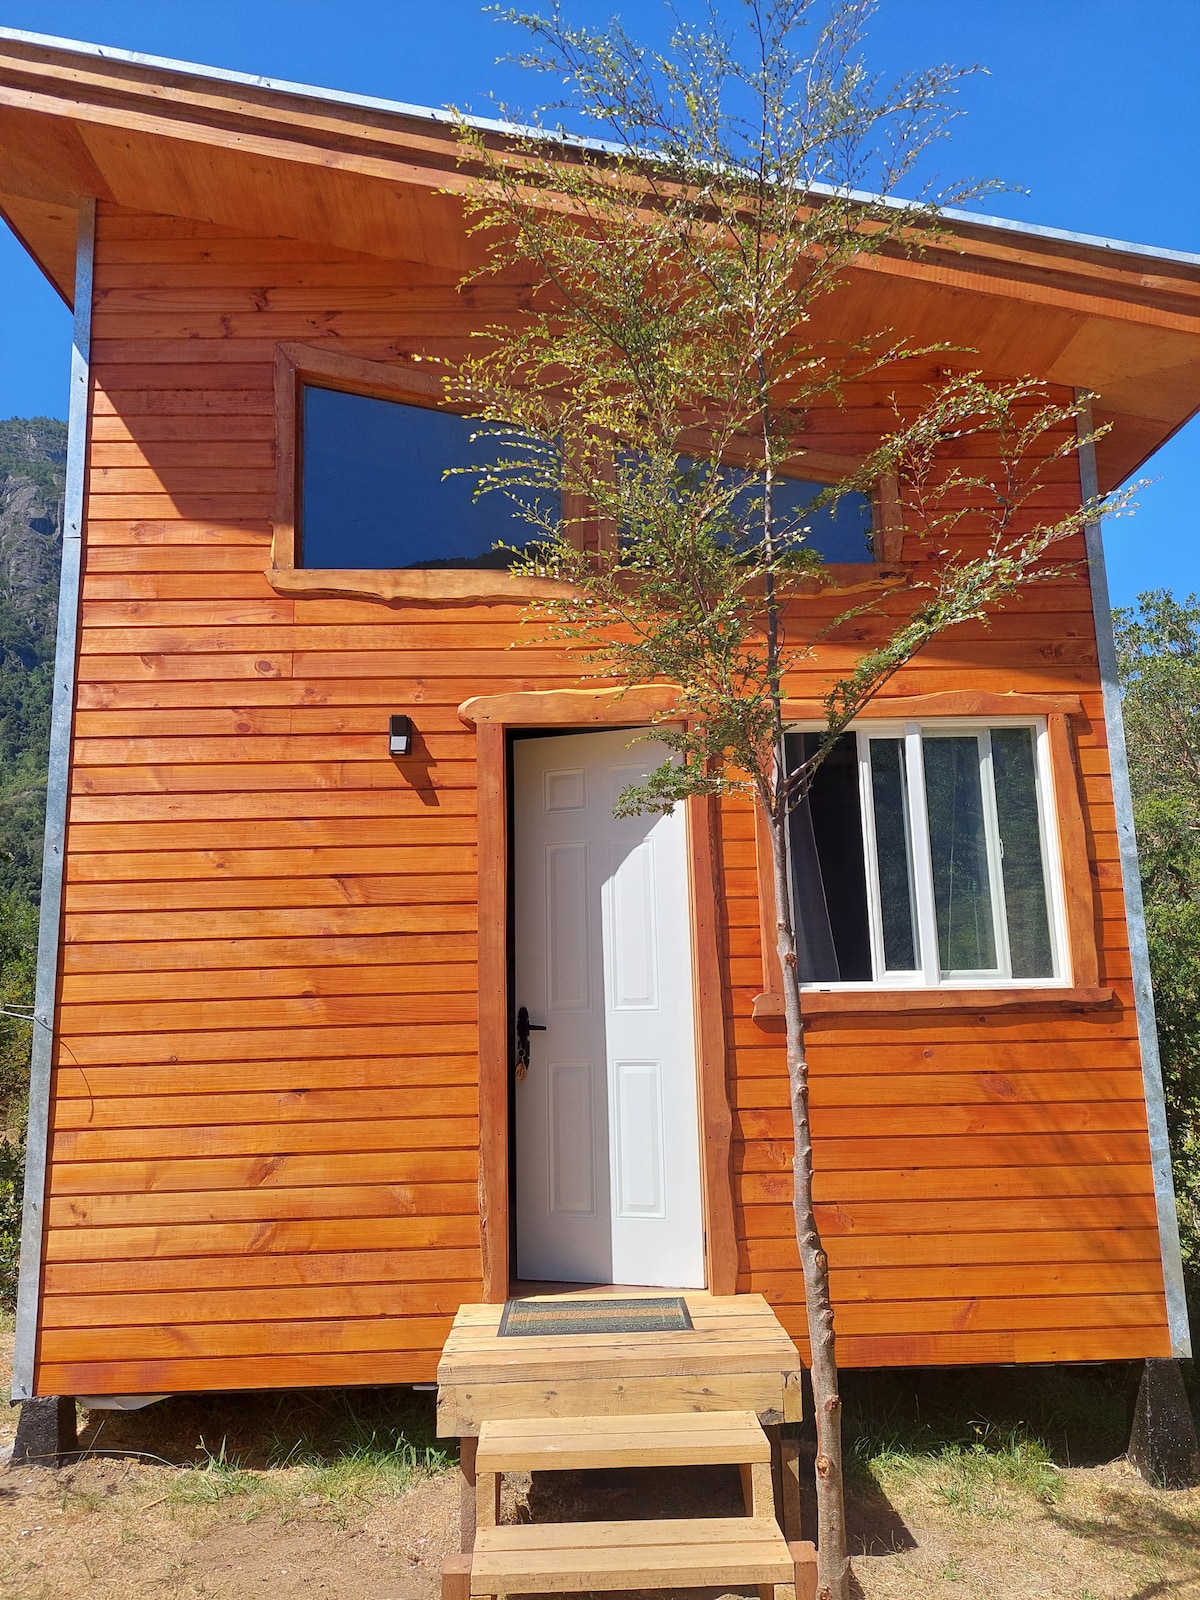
pixel 182 1500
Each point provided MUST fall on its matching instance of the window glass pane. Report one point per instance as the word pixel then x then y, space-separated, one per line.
pixel 833 942
pixel 838 533
pixel 958 844
pixel 372 492
pixel 889 796
pixel 841 532
pixel 1021 842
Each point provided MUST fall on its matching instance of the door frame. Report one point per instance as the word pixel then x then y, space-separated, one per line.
pixel 494 718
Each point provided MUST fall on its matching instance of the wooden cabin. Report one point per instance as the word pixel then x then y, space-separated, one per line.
pixel 278 1135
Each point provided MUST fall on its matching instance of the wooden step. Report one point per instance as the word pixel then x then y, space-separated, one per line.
pixel 680 1553
pixel 561 1444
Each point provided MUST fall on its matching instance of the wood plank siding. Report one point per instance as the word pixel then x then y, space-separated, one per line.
pixel 264 1160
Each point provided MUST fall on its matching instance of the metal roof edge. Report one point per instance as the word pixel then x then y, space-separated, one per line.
pixel 1031 230
pixel 957 218
pixel 308 91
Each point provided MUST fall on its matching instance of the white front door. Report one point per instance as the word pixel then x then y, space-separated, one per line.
pixel 607 1138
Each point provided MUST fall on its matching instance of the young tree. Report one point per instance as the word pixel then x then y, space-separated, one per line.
pixel 660 389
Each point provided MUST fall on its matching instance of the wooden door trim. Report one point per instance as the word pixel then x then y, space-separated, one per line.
pixel 491 778
pixel 571 710
pixel 716 1114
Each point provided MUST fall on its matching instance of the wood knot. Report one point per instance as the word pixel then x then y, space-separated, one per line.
pixel 823 1466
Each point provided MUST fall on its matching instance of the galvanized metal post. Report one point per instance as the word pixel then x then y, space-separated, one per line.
pixel 53 860
pixel 1156 1110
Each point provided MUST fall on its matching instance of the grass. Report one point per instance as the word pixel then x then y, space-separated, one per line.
pixel 983 1477
pixel 354 1454
pixel 212 1480
pixel 1146 1524
pixel 982 1443
pixel 331 1448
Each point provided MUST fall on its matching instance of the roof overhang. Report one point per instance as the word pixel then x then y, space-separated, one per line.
pixel 378 178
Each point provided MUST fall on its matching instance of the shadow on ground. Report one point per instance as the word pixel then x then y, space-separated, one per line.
pixel 1078 1415
pixel 311 1427
pixel 1140 1526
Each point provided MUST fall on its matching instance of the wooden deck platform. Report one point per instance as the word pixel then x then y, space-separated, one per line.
pixel 735 1357
pixel 718 1391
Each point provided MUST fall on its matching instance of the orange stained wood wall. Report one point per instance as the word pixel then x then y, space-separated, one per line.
pixel 265 1136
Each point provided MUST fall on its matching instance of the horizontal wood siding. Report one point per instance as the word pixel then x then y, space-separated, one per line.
pixel 983 1181
pixel 264 1155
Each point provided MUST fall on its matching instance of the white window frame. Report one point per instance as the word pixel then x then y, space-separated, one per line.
pixel 928 974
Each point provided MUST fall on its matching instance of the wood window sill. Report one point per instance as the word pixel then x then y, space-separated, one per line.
pixel 483 586
pixel 427 585
pixel 769 1006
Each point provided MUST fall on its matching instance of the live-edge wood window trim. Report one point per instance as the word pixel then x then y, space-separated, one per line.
pixel 1079 900
pixel 492 717
pixel 296 364
pixel 404 381
pixel 888 520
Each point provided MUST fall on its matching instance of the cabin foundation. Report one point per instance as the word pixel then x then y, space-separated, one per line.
pixel 1162 1435
pixel 47 1432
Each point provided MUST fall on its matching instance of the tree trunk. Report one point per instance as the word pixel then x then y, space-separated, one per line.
pixel 833 1562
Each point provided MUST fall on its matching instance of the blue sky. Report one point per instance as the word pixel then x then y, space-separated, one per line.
pixel 1089 105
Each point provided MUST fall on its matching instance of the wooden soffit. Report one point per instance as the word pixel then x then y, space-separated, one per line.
pixel 369 178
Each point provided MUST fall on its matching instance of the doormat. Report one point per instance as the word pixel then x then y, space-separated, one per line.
pixel 643 1314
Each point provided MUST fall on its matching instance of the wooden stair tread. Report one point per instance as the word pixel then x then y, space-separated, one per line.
pixel 687 1552
pixel 684 1438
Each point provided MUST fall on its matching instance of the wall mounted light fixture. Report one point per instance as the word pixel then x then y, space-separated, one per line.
pixel 399 735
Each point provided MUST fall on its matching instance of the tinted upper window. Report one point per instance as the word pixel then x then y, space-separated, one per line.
pixel 374 495
pixel 373 492
pixel 839 532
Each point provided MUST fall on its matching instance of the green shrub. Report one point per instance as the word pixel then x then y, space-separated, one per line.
pixel 1158 648
pixel 12 1180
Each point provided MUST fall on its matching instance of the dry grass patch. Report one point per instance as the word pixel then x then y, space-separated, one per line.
pixel 1105 1536
pixel 1010 1485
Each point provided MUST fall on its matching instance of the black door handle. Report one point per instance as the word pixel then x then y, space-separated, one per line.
pixel 524 1029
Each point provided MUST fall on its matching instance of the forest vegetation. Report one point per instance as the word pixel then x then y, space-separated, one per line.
pixel 1158 652
pixel 33 455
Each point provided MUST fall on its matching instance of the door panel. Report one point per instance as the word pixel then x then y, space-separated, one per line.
pixel 639 1141
pixel 572 1138
pixel 607 1138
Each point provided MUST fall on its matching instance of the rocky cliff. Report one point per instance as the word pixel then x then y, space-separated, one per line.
pixel 33 455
